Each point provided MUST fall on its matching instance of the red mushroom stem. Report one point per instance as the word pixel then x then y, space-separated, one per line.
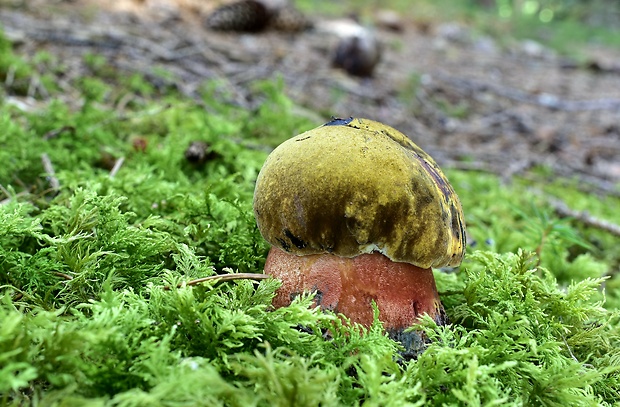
pixel 403 292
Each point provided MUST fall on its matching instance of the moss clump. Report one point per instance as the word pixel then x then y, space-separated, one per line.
pixel 521 341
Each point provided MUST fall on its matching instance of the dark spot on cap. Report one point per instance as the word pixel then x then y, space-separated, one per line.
pixel 457 227
pixel 284 244
pixel 336 121
pixel 439 180
pixel 297 242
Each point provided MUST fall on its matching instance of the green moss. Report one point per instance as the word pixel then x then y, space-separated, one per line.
pixel 517 342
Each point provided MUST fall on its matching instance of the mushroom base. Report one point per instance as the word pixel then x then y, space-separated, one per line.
pixel 402 291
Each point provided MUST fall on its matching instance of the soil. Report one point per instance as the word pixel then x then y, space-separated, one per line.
pixel 467 99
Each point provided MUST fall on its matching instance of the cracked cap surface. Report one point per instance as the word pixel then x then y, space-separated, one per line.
pixel 357 186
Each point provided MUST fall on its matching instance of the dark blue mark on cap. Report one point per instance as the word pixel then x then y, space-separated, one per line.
pixel 336 121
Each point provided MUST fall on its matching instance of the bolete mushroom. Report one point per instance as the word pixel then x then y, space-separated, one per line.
pixel 356 212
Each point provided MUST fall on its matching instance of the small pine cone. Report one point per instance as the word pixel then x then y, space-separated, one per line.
pixel 241 16
pixel 289 19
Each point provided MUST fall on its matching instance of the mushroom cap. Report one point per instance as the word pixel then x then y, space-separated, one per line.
pixel 356 186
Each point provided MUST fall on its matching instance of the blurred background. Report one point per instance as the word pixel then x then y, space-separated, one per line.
pixel 504 86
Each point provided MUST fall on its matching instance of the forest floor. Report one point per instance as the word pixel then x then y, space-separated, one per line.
pixel 471 101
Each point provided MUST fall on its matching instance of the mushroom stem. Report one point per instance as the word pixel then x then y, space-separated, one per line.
pixel 403 292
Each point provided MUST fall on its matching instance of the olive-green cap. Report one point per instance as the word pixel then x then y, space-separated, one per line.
pixel 356 186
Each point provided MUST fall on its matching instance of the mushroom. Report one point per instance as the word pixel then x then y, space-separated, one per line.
pixel 356 212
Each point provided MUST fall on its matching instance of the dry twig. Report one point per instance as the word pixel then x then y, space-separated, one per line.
pixel 583 216
pixel 56 132
pixel 224 277
pixel 63 275
pixel 117 166
pixel 51 174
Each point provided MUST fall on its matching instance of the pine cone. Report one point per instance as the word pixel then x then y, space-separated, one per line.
pixel 289 19
pixel 242 16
